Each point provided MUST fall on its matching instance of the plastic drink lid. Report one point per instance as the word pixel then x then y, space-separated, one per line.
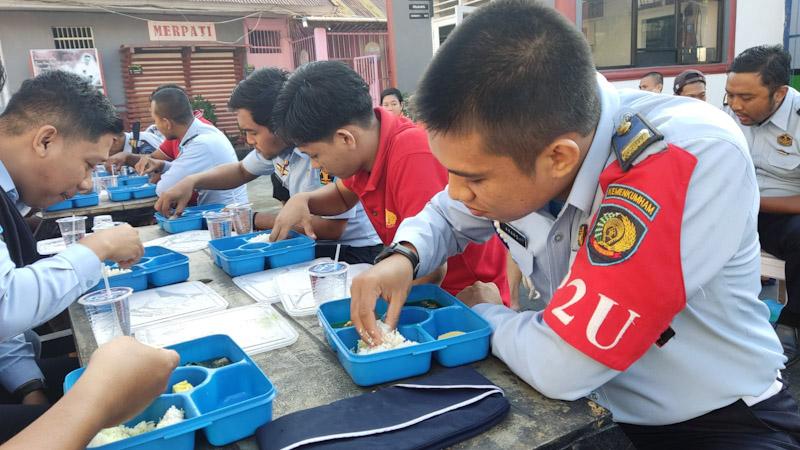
pixel 101 297
pixel 328 268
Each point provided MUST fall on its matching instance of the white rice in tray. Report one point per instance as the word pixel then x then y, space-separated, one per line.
pixel 263 237
pixel 108 435
pixel 112 271
pixel 391 340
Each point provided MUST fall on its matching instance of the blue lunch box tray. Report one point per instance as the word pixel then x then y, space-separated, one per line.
pixel 192 219
pixel 228 403
pixel 123 193
pixel 418 322
pixel 76 201
pixel 158 267
pixel 132 180
pixel 238 257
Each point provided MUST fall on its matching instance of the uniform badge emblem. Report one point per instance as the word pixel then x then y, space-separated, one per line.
pixel 283 169
pixel 582 235
pixel 391 219
pixel 615 236
pixel 785 139
pixel 324 177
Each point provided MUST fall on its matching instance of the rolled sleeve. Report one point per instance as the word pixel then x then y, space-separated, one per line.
pixel 17 363
pixel 257 165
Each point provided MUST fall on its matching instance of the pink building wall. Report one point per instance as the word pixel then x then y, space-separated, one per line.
pixel 282 59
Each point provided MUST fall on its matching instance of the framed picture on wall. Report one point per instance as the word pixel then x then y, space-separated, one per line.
pixel 81 61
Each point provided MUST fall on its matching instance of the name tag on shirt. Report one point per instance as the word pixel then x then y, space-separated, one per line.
pixel 514 234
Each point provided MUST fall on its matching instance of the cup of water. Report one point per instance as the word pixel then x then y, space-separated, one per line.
pixel 99 222
pixel 328 281
pixel 109 312
pixel 242 217
pixel 73 229
pixel 220 223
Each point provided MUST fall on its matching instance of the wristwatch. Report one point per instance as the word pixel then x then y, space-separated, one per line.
pixel 32 385
pixel 396 247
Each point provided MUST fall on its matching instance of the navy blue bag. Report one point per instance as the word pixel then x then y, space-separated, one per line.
pixel 428 413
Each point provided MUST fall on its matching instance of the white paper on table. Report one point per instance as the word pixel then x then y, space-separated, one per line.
pixel 263 286
pixel 186 242
pixel 161 304
pixel 51 246
pixel 256 328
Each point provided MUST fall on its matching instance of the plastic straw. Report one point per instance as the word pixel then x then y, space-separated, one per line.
pixel 336 257
pixel 105 280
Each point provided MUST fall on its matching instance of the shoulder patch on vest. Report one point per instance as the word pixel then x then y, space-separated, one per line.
pixel 634 134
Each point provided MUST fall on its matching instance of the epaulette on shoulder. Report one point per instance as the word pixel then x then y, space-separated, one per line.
pixel 634 134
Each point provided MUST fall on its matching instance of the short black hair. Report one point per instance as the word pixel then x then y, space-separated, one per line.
pixel 392 91
pixel 516 72
pixel 771 62
pixel 319 98
pixel 258 92
pixel 173 104
pixel 64 100
pixel 656 75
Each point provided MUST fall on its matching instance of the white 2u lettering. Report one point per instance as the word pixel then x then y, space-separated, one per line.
pixel 604 306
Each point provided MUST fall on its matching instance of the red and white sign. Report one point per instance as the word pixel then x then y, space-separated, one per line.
pixel 181 31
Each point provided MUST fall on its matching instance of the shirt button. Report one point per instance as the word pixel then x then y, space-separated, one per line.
pixel 558 237
pixel 374 213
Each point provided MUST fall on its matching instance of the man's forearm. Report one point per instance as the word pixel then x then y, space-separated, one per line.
pixel 327 201
pixel 67 425
pixel 227 176
pixel 781 205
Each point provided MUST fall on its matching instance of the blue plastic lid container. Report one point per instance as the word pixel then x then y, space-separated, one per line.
pixel 192 219
pixel 237 256
pixel 158 267
pixel 429 315
pixel 228 403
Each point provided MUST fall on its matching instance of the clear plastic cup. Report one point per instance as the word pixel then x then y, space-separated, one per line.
pixel 110 315
pixel 100 220
pixel 220 224
pixel 328 281
pixel 102 183
pixel 73 229
pixel 242 217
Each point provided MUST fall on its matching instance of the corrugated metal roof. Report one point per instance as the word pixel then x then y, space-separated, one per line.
pixel 370 9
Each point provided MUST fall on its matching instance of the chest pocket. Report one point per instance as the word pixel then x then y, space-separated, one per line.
pixel 783 159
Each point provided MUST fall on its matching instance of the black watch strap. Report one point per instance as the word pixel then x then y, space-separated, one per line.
pixel 30 386
pixel 401 250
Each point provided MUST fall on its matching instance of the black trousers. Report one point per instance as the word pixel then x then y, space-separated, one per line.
pixel 14 417
pixel 780 235
pixel 770 424
pixel 348 254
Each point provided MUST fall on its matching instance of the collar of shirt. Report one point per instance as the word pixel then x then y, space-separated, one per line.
pixel 194 129
pixel 784 112
pixel 388 123
pixel 585 185
pixel 7 184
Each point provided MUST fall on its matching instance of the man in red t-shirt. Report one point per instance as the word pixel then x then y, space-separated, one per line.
pixel 378 158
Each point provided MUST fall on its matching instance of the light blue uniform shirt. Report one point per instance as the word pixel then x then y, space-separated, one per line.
pixel 31 295
pixel 777 165
pixel 294 169
pixel 724 348
pixel 202 148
